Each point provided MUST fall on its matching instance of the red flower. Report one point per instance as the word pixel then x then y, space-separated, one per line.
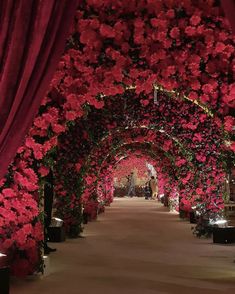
pixel 89 37
pixel 230 97
pixel 195 20
pixel 193 95
pixel 44 171
pixel 200 157
pixel 190 31
pixel 144 102
pixel 197 137
pixel 175 33
pixel 229 123
pixel 9 193
pixel 58 128
pixel 219 47
pixel 199 191
pixel 207 88
pixel 107 31
pixel 70 115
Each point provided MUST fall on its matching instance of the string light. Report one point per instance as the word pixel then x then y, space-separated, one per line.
pixel 184 97
pixel 176 95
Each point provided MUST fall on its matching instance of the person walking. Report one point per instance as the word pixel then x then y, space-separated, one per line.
pixel 147 191
pixel 131 190
pixel 153 187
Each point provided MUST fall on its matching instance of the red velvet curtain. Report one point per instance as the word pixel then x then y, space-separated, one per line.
pixel 229 9
pixel 32 40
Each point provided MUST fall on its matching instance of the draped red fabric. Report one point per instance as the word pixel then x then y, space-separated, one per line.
pixel 32 40
pixel 229 10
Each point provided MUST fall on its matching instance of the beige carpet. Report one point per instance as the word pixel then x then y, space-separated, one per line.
pixel 136 247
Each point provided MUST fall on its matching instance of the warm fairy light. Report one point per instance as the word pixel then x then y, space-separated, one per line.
pixel 227 143
pixel 219 222
pixel 2 255
pixel 176 94
pixel 58 219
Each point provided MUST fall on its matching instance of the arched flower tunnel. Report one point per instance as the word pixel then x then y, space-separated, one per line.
pixel 147 78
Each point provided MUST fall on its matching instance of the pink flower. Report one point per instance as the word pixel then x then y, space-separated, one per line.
pixel 180 162
pixel 175 33
pixel 89 37
pixel 207 88
pixel 170 13
pixel 190 31
pixel 197 137
pixel 9 193
pixel 144 102
pixel 89 180
pixel 193 95
pixel 229 98
pixel 58 128
pixel 199 191
pixel 6 244
pixel 200 157
pixel 229 123
pixel 2 182
pixel 219 47
pixel 70 115
pixel 195 20
pixel 44 171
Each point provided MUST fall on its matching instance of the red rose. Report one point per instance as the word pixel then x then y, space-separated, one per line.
pixel 207 88
pixel 70 115
pixel 58 128
pixel 195 20
pixel 193 95
pixel 170 13
pixel 88 36
pixel 107 31
pixel 144 102
pixel 190 31
pixel 229 123
pixel 44 171
pixel 219 47
pixel 9 193
pixel 175 33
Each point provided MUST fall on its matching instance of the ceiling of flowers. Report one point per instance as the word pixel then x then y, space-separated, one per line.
pixel 127 164
pixel 148 78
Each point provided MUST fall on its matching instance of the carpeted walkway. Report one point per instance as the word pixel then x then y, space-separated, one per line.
pixel 136 247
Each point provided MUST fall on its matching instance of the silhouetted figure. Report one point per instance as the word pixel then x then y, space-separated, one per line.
pixel 147 191
pixel 131 190
pixel 153 186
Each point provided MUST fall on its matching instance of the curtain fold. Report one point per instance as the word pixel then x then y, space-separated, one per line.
pixel 229 10
pixel 32 39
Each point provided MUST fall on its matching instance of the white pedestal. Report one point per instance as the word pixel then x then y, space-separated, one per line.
pixel 46 260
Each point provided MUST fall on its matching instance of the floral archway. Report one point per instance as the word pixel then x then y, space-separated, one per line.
pixel 125 64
